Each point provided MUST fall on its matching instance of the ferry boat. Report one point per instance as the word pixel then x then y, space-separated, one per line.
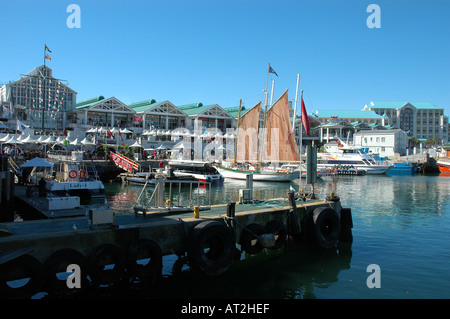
pixel 346 155
pixel 66 178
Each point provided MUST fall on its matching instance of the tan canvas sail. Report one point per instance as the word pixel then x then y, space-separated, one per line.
pixel 279 141
pixel 247 136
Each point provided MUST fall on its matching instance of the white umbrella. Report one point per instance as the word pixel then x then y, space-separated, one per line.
pixel 13 140
pixel 126 131
pixel 37 162
pixel 136 144
pixel 49 140
pixel 87 141
pixel 145 133
pixel 5 138
pixel 40 139
pixel 28 139
pixel 181 145
pixel 114 130
pixel 91 130
pixel 162 147
pixel 75 142
pixel 221 147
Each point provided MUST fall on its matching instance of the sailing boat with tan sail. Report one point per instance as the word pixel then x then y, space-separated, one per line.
pixel 278 145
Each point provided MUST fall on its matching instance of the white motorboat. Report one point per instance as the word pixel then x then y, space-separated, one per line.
pixel 202 171
pixel 345 155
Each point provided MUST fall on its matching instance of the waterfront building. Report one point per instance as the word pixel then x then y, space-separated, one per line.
pixel 208 116
pixel 423 120
pixel 38 100
pixel 344 123
pixel 385 143
pixel 158 115
pixel 101 111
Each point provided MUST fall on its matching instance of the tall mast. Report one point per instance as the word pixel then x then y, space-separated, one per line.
pixel 295 108
pixel 237 132
pixel 265 112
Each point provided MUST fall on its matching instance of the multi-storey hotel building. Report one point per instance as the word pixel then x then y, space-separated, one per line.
pixel 423 120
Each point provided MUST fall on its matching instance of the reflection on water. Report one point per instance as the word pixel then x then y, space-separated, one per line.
pixel 401 223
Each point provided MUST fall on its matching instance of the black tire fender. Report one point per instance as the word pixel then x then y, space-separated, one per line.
pixel 249 238
pixel 326 226
pixel 103 255
pixel 211 247
pixel 144 249
pixel 278 229
pixel 57 263
pixel 25 265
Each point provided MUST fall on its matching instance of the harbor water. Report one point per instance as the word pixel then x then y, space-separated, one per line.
pixel 401 225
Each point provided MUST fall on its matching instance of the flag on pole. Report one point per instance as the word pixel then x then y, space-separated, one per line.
pixel 120 134
pixel 109 133
pixel 305 119
pixel 272 70
pixel 47 49
pixel 47 57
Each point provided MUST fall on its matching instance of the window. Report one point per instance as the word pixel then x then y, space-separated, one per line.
pixel 383 140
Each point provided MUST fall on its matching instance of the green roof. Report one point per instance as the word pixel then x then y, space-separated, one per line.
pixel 89 102
pixel 190 106
pixel 347 114
pixel 193 110
pixel 145 107
pixel 141 103
pixel 399 105
pixel 234 111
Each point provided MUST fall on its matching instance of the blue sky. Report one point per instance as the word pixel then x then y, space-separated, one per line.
pixel 217 51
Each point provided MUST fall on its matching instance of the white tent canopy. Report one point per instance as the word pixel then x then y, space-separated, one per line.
pixel 37 162
pixel 136 144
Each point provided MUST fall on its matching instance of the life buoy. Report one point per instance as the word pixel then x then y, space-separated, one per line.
pixel 141 250
pixel 106 255
pixel 83 174
pixel 325 227
pixel 29 267
pixel 211 247
pixel 57 263
pixel 279 230
pixel 249 238
pixel 73 173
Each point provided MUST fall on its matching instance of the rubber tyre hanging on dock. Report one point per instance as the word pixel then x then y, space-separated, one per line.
pixel 57 263
pixel 211 247
pixel 145 249
pixel 103 255
pixel 346 225
pixel 25 266
pixel 249 238
pixel 278 229
pixel 326 227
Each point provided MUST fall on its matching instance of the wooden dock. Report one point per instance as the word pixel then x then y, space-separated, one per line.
pixel 212 238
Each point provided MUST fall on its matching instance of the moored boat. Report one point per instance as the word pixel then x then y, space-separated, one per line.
pixel 444 166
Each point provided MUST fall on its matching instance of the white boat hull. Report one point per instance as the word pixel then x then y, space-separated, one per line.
pixel 370 169
pixel 95 188
pixel 258 176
